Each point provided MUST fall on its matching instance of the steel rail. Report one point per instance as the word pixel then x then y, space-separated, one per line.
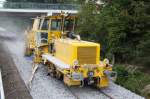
pixel 106 94
pixel 2 96
pixel 76 97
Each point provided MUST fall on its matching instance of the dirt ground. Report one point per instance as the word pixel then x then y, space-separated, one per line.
pixel 14 86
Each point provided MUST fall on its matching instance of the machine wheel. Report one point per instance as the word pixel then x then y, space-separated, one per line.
pixel 52 70
pixel 59 75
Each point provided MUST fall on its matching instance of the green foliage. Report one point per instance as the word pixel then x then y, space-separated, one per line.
pixel 121 26
pixel 134 81
pixel 144 50
pixel 87 17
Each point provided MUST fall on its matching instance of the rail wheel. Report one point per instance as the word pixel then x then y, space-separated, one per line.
pixel 52 70
pixel 59 75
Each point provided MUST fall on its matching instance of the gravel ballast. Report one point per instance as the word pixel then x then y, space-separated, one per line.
pixel 118 92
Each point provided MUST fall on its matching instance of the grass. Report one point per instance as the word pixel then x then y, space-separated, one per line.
pixel 133 79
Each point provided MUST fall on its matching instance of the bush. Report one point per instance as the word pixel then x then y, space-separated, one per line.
pixel 134 81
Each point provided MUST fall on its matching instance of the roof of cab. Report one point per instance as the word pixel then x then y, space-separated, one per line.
pixel 56 16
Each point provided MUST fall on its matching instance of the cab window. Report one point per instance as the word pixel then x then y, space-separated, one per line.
pixel 45 24
pixel 56 24
pixel 44 37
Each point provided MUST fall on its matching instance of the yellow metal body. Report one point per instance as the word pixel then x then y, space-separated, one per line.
pixel 70 50
pixel 71 82
pixel 83 57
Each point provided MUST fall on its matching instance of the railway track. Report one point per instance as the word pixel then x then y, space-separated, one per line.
pixel 102 92
pixel 76 96
pixel 88 93
pixel 106 94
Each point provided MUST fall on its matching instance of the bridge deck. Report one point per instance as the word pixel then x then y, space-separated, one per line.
pixel 44 6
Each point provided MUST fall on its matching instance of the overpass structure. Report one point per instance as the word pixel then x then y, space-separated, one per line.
pixel 35 9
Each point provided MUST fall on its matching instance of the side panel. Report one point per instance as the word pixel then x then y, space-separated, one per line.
pixel 98 54
pixel 65 52
pixel 87 54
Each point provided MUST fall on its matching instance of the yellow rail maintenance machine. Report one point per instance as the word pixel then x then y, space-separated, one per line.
pixel 76 62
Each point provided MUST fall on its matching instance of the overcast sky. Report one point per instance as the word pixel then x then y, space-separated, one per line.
pixel 1 5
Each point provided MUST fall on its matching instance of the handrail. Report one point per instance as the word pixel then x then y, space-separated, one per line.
pixel 31 5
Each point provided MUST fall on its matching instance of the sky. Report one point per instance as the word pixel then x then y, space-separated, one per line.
pixel 1 4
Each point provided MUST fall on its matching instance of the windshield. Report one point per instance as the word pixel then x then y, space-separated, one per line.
pixel 56 24
pixel 45 24
pixel 68 24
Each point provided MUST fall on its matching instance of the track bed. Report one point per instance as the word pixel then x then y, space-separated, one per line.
pixel 14 86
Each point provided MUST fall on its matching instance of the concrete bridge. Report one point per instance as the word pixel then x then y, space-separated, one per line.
pixel 34 9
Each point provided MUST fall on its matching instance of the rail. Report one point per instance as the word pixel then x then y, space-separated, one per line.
pixel 31 5
pixel 2 96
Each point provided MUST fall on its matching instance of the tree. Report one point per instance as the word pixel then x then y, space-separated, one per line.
pixel 122 27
